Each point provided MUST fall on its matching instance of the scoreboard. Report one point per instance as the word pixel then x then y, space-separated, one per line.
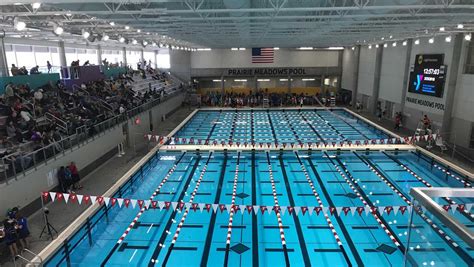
pixel 428 75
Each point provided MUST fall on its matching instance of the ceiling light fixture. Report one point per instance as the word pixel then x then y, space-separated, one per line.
pixel 431 40
pixel 442 29
pixel 58 30
pixel 139 30
pixel 19 25
pixel 127 27
pixel 468 37
pixel 112 23
pixel 394 44
pixel 134 42
pixel 417 41
pixel 460 26
pixel 121 39
pixel 404 43
pixel 36 5
pixel 385 45
pixel 370 46
pixel 448 39
pixel 105 37
pixel 86 34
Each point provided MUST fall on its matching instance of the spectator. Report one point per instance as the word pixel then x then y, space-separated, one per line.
pixel 426 124
pixel 11 236
pixel 23 71
pixel 35 70
pixel 75 175
pixel 49 66
pixel 23 231
pixel 38 95
pixel 398 120
pixel 63 183
pixel 87 63
pixel 14 70
pixel 9 91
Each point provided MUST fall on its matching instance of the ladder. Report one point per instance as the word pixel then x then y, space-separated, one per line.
pixel 27 261
pixel 332 101
pixel 266 103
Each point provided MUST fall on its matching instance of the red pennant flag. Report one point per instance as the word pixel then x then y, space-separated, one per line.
pixel 374 210
pixel 154 203
pixel 402 209
pixel 249 208
pixel 446 207
pixel 290 209
pixel 181 206
pixel 263 209
pixel 360 210
pixel 140 203
pixel 222 207
pixel 126 202
pixel 332 210
pixel 238 144
pixel 100 200
pixel 318 210
pixel 235 208
pixel 208 207
pixel 59 196
pixel 72 197
pixel 86 199
pixel 114 200
pixel 388 209
pixel 304 209
pixel 346 210
pixel 45 195
pixel 167 205
pixel 195 206
pixel 461 207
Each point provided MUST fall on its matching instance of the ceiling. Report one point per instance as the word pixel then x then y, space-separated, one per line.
pixel 239 23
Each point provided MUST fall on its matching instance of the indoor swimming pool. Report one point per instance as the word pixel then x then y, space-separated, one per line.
pixel 318 236
pixel 282 126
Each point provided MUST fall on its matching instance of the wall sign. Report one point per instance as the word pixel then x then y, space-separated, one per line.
pixel 426 103
pixel 266 72
pixel 428 75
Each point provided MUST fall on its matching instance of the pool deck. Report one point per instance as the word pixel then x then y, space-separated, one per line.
pixel 96 183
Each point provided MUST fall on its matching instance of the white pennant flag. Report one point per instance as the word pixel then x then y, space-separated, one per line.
pixel 161 204
pixel 353 210
pixel 106 201
pixel 283 210
pixel 454 207
pixel 187 205
pixel 149 137
pixel 120 202
pixel 395 209
pixel 325 210
pixel 367 210
pixel 297 210
pixel 134 202
pixel 53 196
pixel 66 197
pixel 381 210
pixel 269 209
pixel 338 210
pixel 256 208
pixel 147 203
pixel 214 207
pixel 201 206
pixel 310 210
pixel 228 207
pixel 434 136
pixel 242 208
pixel 394 140
pixel 174 205
pixel 93 198
pixel 417 138
pixel 79 199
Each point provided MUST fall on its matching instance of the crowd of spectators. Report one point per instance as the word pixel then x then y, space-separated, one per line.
pixel 23 113
pixel 257 99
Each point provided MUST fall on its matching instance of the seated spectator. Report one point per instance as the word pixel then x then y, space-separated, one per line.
pixel 38 95
pixel 86 63
pixel 23 71
pixel 35 70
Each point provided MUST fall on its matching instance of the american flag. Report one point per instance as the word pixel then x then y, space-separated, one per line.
pixel 262 55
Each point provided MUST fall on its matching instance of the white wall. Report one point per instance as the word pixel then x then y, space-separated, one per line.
pixel 392 73
pixel 180 64
pixel 365 82
pixel 348 68
pixel 227 58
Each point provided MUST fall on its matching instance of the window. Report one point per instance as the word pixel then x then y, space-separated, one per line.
pixel 163 59
pixel 469 69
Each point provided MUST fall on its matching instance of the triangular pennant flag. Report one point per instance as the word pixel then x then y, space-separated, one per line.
pixel 283 210
pixel 66 197
pixel 120 202
pixel 346 210
pixel 395 209
pixel 100 200
pixel 360 210
pixel 79 199
pixel 93 199
pixel 367 210
pixel 147 203
pixel 228 207
pixel 297 210
pixel 434 136
pixel 208 207
pixel 454 207
pixel 161 204
pixel 154 203
pixel 53 196
pixel 262 209
pixel 242 208
pixel 106 201
pixel 338 211
pixel 310 210
pixel 149 137
pixel 187 205
pixel 249 208
pixel 468 207
pixel 318 210
pixel 133 202
pixel 353 210
pixel 324 209
pixel 381 210
pixel 114 200
pixel 388 209
pixel 255 209
pixel 126 202
pixel 402 209
pixel 214 207
pixel 194 206
pixel 269 209
pixel 222 207
pixel 201 206
pixel 174 205
pixel 45 195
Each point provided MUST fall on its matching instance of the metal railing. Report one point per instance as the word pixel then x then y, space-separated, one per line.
pixel 20 163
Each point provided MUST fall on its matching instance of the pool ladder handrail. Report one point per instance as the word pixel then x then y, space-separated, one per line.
pixel 29 262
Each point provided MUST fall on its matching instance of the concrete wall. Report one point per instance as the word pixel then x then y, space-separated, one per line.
pixel 180 64
pixel 392 73
pixel 227 58
pixel 29 187
pixel 349 69
pixel 365 82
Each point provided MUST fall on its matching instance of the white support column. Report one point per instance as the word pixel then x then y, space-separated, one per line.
pixel 356 75
pixel 156 59
pixel 142 55
pixel 99 55
pixel 289 84
pixel 3 59
pixel 62 54
pixel 124 55
pixel 378 69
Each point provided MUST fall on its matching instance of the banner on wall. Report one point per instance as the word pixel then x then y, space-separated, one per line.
pixel 267 72
pixel 428 75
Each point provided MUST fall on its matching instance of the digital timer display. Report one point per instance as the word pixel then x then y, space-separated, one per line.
pixel 428 75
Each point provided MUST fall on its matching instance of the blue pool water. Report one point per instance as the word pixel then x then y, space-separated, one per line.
pixel 282 126
pixel 256 239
